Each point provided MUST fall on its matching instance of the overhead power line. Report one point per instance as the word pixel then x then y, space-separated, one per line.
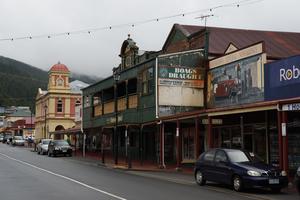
pixel 132 24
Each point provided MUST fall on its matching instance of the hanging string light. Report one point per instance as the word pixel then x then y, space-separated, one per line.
pixel 134 24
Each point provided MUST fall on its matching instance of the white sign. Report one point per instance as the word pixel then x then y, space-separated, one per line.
pixel 213 121
pixel 283 129
pixel 292 106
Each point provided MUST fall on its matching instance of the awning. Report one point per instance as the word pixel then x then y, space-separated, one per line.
pixel 69 131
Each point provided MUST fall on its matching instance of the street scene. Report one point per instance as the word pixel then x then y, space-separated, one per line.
pixel 149 100
pixel 26 175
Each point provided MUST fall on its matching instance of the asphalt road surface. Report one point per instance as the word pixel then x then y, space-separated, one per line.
pixel 27 176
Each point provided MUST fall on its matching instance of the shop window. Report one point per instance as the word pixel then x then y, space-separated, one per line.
pixel 59 107
pixel 147 81
pixel 188 136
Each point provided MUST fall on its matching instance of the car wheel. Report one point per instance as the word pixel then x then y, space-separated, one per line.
pixel 38 152
pixel 237 183
pixel 199 178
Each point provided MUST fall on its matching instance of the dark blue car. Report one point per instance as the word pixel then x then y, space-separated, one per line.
pixel 238 168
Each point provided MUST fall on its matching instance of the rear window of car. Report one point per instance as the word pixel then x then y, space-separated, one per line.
pixel 209 156
pixel 46 141
pixel 61 143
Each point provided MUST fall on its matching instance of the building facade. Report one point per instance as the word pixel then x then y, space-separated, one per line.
pixel 204 89
pixel 55 108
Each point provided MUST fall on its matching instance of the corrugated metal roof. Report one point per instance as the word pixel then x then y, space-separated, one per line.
pixel 278 44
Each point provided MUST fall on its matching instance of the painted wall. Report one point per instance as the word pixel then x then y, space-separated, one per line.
pixel 236 78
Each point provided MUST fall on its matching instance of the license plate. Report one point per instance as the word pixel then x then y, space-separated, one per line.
pixel 64 151
pixel 273 181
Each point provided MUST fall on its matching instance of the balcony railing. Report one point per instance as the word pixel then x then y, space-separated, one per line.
pixel 97 110
pixel 132 101
pixel 109 107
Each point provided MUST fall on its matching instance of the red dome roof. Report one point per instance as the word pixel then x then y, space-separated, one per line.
pixel 59 67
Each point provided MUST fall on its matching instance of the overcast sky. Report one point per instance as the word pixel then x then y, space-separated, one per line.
pixel 97 53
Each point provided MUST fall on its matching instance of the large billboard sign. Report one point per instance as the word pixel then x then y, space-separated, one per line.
pixel 236 78
pixel 180 82
pixel 282 79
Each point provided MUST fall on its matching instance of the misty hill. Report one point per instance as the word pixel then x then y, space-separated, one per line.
pixel 19 82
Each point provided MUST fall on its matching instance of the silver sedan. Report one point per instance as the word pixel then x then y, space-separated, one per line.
pixel 42 147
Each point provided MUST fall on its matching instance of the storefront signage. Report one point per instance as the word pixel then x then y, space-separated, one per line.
pixel 282 77
pixel 290 107
pixel 213 121
pixel 180 82
pixel 112 120
pixel 180 73
pixel 283 129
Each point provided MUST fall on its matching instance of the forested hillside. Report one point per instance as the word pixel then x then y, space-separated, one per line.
pixel 19 82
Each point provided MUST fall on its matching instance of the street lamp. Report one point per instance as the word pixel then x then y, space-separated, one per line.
pixel 45 112
pixel 116 77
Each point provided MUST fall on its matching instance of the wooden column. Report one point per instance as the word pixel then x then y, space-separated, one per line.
pixel 209 133
pixel 162 146
pixel 197 138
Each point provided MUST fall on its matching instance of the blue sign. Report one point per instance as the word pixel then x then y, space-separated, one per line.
pixel 282 79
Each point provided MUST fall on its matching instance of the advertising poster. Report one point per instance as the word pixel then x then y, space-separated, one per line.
pixel 180 82
pixel 238 82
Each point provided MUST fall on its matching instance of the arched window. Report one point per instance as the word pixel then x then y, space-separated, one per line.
pixel 77 103
pixel 59 107
pixel 60 82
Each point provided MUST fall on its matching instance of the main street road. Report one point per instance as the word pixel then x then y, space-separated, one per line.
pixel 27 176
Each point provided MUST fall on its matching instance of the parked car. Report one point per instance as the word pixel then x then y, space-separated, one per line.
pixel 297 179
pixel 1 138
pixel 42 147
pixel 238 168
pixel 57 147
pixel 5 137
pixel 18 141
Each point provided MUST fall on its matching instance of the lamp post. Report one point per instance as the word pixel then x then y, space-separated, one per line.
pixel 45 112
pixel 116 77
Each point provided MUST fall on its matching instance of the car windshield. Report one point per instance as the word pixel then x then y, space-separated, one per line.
pixel 45 141
pixel 18 137
pixel 61 143
pixel 238 156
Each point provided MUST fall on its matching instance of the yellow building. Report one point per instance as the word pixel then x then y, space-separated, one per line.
pixel 55 108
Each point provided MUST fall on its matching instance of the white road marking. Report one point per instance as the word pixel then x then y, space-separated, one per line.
pixel 65 177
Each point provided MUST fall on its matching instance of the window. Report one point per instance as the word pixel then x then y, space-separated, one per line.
pixel 147 81
pixel 209 156
pixel 59 82
pixel 77 103
pixel 59 106
pixel 221 156
pixel 86 101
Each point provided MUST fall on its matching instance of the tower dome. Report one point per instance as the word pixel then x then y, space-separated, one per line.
pixel 59 68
